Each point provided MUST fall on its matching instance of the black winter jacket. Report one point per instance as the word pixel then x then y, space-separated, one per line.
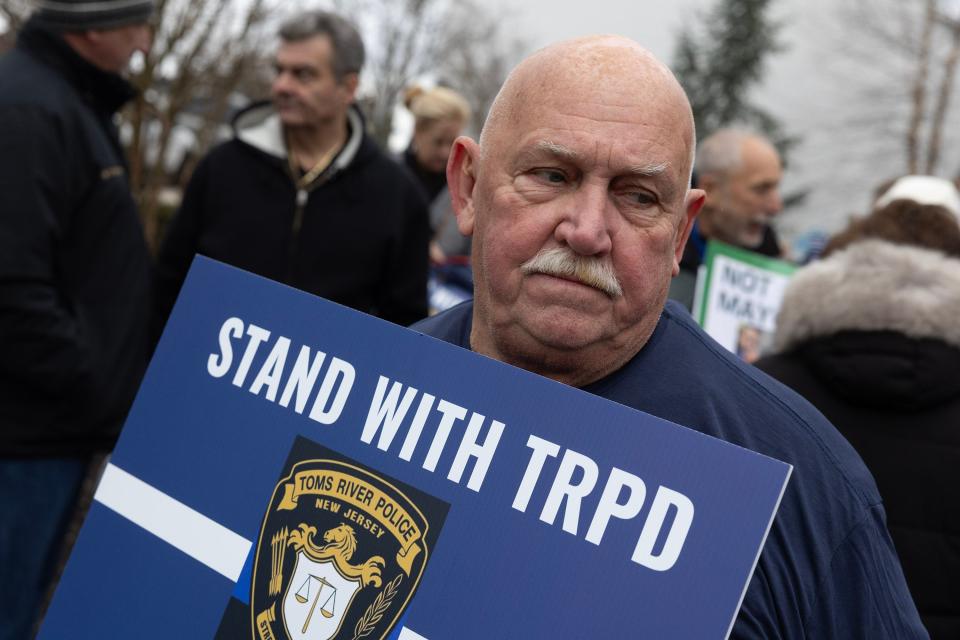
pixel 871 337
pixel 74 268
pixel 358 235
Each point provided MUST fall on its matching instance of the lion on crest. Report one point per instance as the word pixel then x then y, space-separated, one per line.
pixel 341 544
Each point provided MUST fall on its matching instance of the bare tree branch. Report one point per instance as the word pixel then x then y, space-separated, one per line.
pixel 458 43
pixel 943 100
pixel 902 59
pixel 203 50
pixel 14 13
pixel 919 93
pixel 477 56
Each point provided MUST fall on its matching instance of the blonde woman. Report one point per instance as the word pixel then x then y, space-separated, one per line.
pixel 440 115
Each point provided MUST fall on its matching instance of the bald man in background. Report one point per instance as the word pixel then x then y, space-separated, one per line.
pixel 578 202
pixel 740 173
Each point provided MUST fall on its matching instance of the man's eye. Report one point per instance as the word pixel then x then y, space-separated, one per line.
pixel 763 189
pixel 551 175
pixel 641 198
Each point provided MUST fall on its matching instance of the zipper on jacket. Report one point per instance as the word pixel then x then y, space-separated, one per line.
pixel 301 204
pixel 315 177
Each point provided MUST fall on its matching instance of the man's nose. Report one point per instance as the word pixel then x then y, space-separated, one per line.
pixel 584 224
pixel 143 38
pixel 775 202
pixel 281 83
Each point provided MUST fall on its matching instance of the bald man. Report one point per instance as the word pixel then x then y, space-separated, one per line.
pixel 577 200
pixel 740 175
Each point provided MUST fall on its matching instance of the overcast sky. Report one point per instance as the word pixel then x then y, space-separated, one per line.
pixel 850 141
pixel 653 24
pixel 846 146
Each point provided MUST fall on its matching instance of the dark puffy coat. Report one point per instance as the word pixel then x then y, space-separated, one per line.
pixel 358 235
pixel 871 337
pixel 74 268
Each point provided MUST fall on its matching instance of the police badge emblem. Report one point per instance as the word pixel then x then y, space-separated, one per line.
pixel 340 554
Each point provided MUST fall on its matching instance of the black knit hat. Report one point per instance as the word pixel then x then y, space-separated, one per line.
pixel 80 15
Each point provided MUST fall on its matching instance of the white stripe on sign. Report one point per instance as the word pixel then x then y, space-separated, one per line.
pixel 406 634
pixel 173 522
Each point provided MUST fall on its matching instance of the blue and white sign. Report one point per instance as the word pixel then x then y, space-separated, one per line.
pixel 294 469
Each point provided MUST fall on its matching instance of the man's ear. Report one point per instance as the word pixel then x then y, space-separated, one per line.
pixel 349 85
pixel 691 207
pixel 711 184
pixel 461 180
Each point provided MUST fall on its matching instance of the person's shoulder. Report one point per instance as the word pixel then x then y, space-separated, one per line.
pixel 384 187
pixel 831 516
pixel 787 368
pixel 35 103
pixel 228 160
pixel 386 167
pixel 225 150
pixel 16 67
pixel 26 81
pixel 685 338
pixel 774 419
pixel 717 371
pixel 452 325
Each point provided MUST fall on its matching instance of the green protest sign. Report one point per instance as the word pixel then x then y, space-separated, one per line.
pixel 738 296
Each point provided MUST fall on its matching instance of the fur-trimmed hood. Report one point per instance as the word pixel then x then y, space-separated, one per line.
pixel 872 333
pixel 877 324
pixel 873 285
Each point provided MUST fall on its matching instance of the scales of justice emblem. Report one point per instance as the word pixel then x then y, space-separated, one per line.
pixel 310 606
pixel 340 554
pixel 329 597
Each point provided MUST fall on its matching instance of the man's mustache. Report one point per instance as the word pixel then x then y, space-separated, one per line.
pixel 564 263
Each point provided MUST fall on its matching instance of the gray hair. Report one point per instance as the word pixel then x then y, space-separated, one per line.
pixel 721 152
pixel 348 52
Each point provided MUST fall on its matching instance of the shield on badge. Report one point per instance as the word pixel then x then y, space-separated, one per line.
pixel 340 554
pixel 318 596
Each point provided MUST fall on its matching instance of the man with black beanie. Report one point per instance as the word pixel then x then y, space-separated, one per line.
pixel 74 278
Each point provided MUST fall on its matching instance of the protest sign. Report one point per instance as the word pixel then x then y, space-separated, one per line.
pixel 295 469
pixel 737 298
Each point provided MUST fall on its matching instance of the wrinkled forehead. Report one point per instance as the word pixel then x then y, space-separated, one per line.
pixel 600 90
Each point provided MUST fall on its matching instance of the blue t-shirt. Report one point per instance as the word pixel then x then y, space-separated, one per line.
pixel 828 569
